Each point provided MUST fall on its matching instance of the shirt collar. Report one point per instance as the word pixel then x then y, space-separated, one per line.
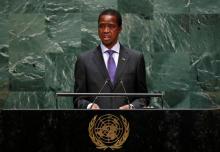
pixel 115 48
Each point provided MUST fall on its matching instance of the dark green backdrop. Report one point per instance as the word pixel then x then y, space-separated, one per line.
pixel 39 41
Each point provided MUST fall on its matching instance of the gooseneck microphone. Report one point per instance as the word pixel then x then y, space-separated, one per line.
pixel 93 102
pixel 122 84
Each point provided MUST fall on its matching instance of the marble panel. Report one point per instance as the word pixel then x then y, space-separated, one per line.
pixel 4 75
pixel 4 59
pixel 26 100
pixel 205 48
pixel 97 5
pixel 171 33
pixel 26 6
pixel 54 7
pixel 143 8
pixel 63 29
pixel 26 52
pixel 59 75
pixel 170 71
pixel 4 7
pixel 171 6
pixel 204 7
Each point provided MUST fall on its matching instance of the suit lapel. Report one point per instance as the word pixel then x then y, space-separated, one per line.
pixel 99 61
pixel 122 61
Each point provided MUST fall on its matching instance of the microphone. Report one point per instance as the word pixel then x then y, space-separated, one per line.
pixel 93 102
pixel 122 84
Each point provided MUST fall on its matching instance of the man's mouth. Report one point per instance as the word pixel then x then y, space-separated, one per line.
pixel 106 37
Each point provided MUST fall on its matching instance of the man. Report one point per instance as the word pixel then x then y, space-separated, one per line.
pixel 110 68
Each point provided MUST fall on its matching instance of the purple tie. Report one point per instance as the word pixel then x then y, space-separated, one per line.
pixel 111 65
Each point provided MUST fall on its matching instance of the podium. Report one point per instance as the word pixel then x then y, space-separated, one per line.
pixel 150 130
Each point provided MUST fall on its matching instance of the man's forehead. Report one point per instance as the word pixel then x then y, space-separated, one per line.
pixel 108 17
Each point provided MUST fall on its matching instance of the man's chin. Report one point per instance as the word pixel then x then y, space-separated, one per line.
pixel 107 40
pixel 106 43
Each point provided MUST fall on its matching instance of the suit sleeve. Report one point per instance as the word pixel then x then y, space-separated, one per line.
pixel 141 83
pixel 80 84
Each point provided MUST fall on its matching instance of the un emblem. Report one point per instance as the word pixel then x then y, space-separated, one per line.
pixel 108 131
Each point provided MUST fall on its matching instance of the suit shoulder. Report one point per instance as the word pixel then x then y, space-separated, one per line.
pixel 133 52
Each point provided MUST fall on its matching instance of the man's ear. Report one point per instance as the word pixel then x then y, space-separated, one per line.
pixel 120 29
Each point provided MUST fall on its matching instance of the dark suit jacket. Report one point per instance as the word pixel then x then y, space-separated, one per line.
pixel 91 74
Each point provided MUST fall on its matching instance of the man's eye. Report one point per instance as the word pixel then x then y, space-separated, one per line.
pixel 110 26
pixel 101 26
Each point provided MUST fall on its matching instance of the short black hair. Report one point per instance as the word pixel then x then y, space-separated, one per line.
pixel 113 13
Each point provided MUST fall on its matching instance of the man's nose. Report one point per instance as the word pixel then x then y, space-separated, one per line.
pixel 106 29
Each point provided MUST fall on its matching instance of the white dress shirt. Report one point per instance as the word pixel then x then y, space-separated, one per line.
pixel 115 55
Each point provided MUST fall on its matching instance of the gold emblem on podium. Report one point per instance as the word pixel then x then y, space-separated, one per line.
pixel 108 131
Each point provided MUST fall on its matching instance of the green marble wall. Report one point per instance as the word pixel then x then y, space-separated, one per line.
pixel 39 41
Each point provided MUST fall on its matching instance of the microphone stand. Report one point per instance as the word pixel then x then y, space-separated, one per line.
pixel 93 102
pixel 129 103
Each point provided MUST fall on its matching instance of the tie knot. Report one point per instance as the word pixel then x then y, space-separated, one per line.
pixel 110 52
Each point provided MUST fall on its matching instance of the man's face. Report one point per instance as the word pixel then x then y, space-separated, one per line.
pixel 108 30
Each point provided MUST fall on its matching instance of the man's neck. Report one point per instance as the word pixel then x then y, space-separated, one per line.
pixel 115 47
